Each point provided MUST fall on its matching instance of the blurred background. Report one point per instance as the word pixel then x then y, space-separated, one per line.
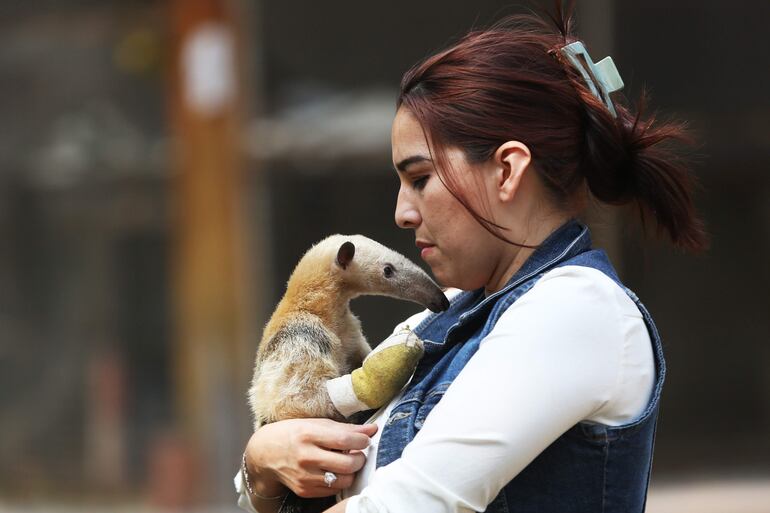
pixel 165 163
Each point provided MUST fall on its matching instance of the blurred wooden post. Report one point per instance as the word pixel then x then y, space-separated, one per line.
pixel 212 279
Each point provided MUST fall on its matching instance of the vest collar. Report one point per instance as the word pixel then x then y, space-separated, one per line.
pixel 570 239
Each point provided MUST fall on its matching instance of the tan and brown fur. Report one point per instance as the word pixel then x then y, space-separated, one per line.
pixel 313 336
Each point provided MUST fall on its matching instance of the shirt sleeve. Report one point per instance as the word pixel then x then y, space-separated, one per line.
pixel 553 359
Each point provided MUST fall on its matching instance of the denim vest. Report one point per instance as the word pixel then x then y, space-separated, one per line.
pixel 590 468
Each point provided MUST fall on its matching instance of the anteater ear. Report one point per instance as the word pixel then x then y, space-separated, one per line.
pixel 345 254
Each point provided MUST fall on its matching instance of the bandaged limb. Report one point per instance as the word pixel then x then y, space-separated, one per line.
pixel 382 375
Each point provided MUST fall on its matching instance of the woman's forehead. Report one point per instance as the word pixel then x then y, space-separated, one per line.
pixel 407 137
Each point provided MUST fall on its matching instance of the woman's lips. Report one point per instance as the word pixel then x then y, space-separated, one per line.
pixel 425 248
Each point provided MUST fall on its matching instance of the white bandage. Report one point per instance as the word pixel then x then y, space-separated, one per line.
pixel 343 397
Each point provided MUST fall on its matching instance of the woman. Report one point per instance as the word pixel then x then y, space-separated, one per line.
pixel 543 379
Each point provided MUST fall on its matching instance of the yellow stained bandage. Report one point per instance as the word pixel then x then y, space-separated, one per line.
pixel 386 370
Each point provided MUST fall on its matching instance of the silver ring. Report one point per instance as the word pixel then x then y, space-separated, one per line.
pixel 329 478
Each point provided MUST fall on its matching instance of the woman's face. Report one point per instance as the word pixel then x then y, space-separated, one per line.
pixel 459 251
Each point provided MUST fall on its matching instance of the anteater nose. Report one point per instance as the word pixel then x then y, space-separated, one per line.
pixel 441 304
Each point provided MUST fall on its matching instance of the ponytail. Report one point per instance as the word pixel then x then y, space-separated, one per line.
pixel 631 159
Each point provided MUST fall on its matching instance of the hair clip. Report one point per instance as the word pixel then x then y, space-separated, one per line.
pixel 603 74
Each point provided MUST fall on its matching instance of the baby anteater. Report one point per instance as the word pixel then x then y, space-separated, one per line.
pixel 313 337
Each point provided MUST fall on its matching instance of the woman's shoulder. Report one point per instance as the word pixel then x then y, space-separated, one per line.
pixel 581 289
pixel 569 303
pixel 587 316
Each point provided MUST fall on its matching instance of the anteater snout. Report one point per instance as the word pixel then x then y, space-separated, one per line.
pixel 439 304
pixel 426 292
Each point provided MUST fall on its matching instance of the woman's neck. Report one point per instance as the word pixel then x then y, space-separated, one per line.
pixel 515 256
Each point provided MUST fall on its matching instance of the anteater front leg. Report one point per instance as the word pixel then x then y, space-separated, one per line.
pixel 360 349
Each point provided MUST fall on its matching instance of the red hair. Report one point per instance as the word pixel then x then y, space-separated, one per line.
pixel 509 82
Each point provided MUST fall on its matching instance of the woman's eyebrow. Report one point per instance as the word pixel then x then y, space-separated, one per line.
pixel 401 166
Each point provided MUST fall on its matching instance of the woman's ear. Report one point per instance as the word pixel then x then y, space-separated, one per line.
pixel 512 160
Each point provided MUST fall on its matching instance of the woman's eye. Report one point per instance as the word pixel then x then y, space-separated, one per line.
pixel 419 183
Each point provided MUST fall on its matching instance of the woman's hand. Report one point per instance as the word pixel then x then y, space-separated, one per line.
pixel 297 452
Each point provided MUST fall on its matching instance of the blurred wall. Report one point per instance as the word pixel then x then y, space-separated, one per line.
pixel 84 317
pixel 704 62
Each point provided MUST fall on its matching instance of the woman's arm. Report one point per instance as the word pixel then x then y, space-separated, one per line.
pixel 296 453
pixel 554 359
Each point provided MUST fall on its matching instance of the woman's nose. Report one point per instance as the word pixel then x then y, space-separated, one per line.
pixel 407 215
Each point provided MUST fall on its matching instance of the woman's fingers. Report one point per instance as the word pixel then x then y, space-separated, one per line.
pixel 297 452
pixel 342 482
pixel 316 486
pixel 339 436
pixel 338 462
pixel 367 429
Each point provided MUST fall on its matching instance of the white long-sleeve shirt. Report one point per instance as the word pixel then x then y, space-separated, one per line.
pixel 574 348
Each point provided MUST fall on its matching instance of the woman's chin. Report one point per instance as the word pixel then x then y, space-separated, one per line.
pixel 438 275
pixel 457 282
pixel 445 279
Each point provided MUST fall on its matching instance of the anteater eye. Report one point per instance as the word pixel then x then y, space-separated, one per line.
pixel 388 271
